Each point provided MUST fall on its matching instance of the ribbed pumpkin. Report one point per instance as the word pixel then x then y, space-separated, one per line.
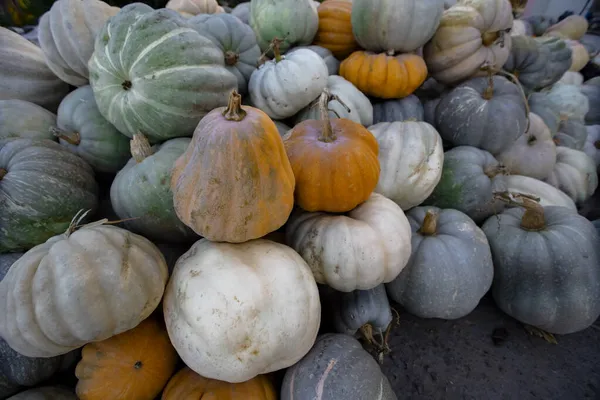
pixel 234 182
pixel 19 118
pixel 574 173
pixel 335 28
pixel 334 162
pixel 573 27
pixel 407 108
pixel 188 385
pixel 189 8
pixel 333 64
pixel 135 364
pixel 384 75
pixel 580 56
pixel 591 90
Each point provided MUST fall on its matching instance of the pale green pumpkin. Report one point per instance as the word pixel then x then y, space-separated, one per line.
pixel 20 118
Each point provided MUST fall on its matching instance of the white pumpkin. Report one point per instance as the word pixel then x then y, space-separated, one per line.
pixel 333 64
pixel 579 55
pixel 283 86
pixel 548 194
pixel 570 78
pixel 592 144
pixel 521 28
pixel 368 246
pixel 67 34
pixel 411 157
pixel 78 288
pixel 574 173
pixel 189 8
pixel 234 311
pixel 361 109
pixel 24 119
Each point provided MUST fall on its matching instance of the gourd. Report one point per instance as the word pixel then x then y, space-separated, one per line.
pixel 487 113
pixel 411 158
pixel 591 90
pixel 399 26
pixel 43 185
pixel 571 78
pixel 336 367
pixel 580 55
pixel 190 8
pixel 137 363
pixel 384 75
pixel 350 103
pixel 45 393
pixel 283 86
pixel 163 79
pixel 141 192
pixel 546 266
pixel 334 162
pixel 471 34
pixel 592 144
pixel 116 276
pixel 234 182
pixel 574 173
pixel 333 64
pixel 235 39
pixel 295 22
pixel 573 27
pixel 67 34
pixel 25 75
pixel 354 251
pixel 242 11
pixel 221 330
pixel 470 177
pixel 408 108
pixel 84 131
pixel 450 268
pixel 569 99
pixel 547 194
pixel 533 153
pixel 335 28
pixel 188 385
pixel 571 133
pixel 19 118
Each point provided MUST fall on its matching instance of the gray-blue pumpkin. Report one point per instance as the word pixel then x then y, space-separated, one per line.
pixel 591 89
pixel 572 134
pixel 408 108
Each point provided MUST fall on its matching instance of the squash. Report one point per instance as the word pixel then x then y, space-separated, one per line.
pixel 334 162
pixel 547 194
pixel 355 251
pixel 580 55
pixel 470 177
pixel 137 363
pixel 572 27
pixel 43 185
pixel 19 118
pixel 411 158
pixel 235 39
pixel 400 26
pixel 549 112
pixel 188 385
pixel 354 105
pixel 164 92
pixel 571 133
pixel 487 113
pixel 83 130
pixel 592 144
pixel 283 86
pixel 571 102
pixel 24 74
pixel 67 34
pixel 546 267
pixel 337 367
pixel 571 78
pixel 335 28
pixel 235 311
pixel 242 11
pixel 591 90
pixel 141 192
pixel 333 64
pixel 408 108
pixel 116 276
pixel 471 34
pixel 45 393
pixel 384 75
pixel 574 173
pixel 190 8
pixel 294 22
pixel 450 268
pixel 234 181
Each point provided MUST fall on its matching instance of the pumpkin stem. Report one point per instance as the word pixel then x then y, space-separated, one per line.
pixel 140 147
pixel 231 57
pixel 515 80
pixel 488 38
pixel 3 173
pixel 498 169
pixel 429 226
pixel 327 136
pixel 234 110
pixel 533 219
pixel 488 93
pixel 274 45
pixel 531 139
pixel 73 138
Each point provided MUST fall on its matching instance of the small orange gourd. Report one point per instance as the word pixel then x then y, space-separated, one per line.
pixel 335 28
pixel 188 385
pixel 334 161
pixel 135 364
pixel 384 75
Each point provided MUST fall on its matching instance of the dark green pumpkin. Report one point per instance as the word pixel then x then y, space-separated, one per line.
pixel 404 109
pixel 591 89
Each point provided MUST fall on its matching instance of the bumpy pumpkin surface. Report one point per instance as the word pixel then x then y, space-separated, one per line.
pixel 19 118
pixel 160 81
pixel 335 28
pixel 408 108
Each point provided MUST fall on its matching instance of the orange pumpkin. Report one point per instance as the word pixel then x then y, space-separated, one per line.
pixel 334 161
pixel 335 28
pixel 188 385
pixel 234 182
pixel 383 75
pixel 135 364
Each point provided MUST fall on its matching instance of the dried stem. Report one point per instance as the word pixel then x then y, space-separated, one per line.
pixel 3 173
pixel 429 226
pixel 273 46
pixel 495 170
pixel 328 135
pixel 140 147
pixel 234 110
pixel 73 138
pixel 231 57
pixel 533 218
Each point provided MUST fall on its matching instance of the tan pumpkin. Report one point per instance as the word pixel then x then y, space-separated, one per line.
pixel 573 27
pixel 579 55
pixel 189 8
pixel 335 28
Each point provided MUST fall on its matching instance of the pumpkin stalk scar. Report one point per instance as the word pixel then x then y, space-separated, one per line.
pixel 140 147
pixel 73 138
pixel 488 38
pixel 429 226
pixel 137 365
pixel 231 58
pixel 234 110
pixel 533 219
pixel 3 173
pixel 126 85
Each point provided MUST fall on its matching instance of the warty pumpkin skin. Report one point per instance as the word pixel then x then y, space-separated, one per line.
pixel 333 64
pixel 574 173
pixel 334 162
pixel 20 118
pixel 234 182
pixel 45 393
pixel 116 277
pixel 335 28
pixel 384 75
pixel 135 364
pixel 407 108
pixel 188 385
pixel 163 79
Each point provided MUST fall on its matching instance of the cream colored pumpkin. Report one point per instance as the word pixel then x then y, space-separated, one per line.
pixel 234 311
pixel 80 287
pixel 368 246
pixel 411 158
pixel 189 8
pixel 570 78
pixel 67 34
pixel 574 173
pixel 579 55
pixel 548 194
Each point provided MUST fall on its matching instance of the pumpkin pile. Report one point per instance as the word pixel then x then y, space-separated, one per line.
pixel 194 199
